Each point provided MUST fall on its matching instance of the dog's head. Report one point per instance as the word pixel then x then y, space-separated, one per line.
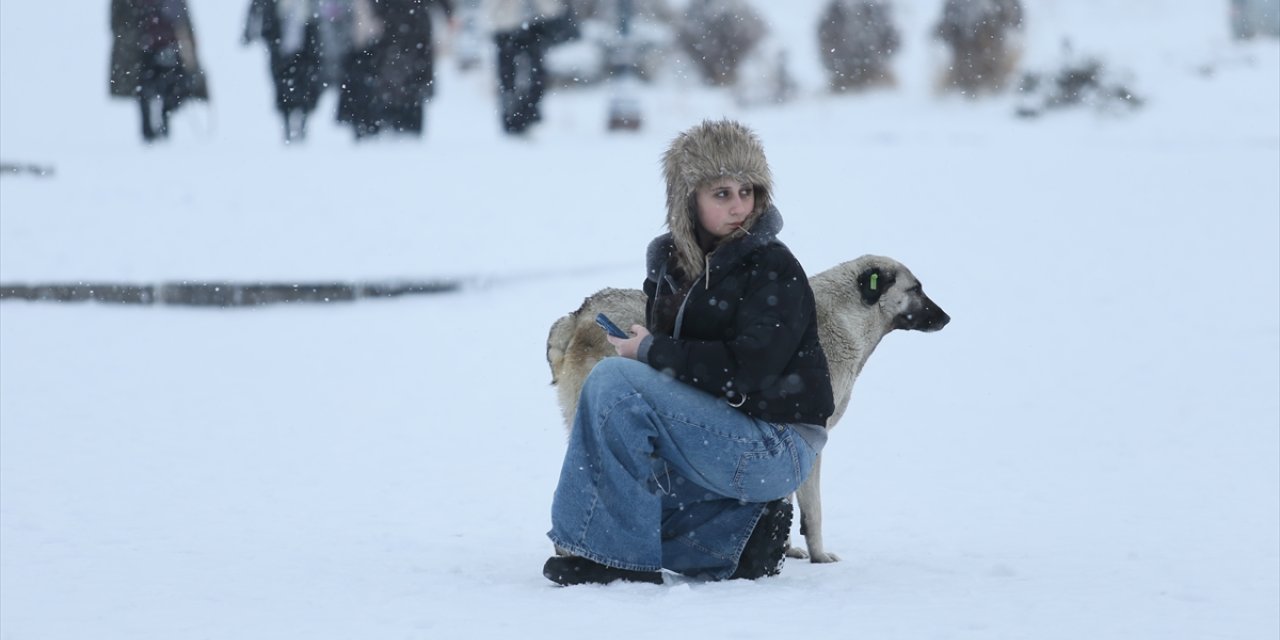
pixel 896 294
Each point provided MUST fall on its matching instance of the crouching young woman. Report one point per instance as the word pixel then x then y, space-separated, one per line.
pixel 684 449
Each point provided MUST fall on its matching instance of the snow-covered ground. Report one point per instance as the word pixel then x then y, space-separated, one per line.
pixel 1090 450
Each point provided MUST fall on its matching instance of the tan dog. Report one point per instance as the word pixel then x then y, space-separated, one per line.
pixel 858 302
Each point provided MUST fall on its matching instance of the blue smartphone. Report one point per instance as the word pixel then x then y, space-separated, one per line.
pixel 609 327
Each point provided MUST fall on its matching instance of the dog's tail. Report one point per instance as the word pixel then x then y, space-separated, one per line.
pixel 558 344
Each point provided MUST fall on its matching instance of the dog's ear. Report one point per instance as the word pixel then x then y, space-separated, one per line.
pixel 873 282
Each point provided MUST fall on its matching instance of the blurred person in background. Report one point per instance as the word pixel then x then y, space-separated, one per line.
pixel 522 30
pixel 154 61
pixel 355 89
pixel 302 38
pixel 389 75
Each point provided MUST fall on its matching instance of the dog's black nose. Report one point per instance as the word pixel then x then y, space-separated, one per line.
pixel 942 320
pixel 928 318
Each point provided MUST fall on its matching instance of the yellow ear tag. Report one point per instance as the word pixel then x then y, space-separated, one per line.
pixel 874 277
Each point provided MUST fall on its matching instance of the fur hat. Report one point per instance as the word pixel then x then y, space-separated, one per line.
pixel 704 153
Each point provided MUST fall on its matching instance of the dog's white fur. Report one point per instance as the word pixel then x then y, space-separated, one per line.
pixel 849 328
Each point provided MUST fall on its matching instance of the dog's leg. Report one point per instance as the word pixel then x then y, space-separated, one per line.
pixel 809 495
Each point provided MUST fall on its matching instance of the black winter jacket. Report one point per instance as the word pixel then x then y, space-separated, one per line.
pixel 746 330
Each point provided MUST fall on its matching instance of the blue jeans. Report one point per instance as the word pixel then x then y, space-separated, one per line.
pixel 659 474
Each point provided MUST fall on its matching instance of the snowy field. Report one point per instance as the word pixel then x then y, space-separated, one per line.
pixel 1091 449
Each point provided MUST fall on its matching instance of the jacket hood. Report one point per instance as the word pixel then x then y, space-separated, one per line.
pixel 704 153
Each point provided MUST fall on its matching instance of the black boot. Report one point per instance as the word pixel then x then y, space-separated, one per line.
pixel 571 570
pixel 767 546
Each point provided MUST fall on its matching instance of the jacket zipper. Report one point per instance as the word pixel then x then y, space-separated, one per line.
pixel 689 294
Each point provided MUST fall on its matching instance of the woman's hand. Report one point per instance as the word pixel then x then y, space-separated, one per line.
pixel 627 347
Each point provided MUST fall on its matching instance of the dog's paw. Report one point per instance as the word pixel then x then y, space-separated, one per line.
pixel 823 557
pixel 793 552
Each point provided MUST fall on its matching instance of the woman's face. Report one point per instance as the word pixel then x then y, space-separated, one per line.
pixel 723 205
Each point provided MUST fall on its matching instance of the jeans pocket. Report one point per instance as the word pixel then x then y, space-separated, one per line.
pixel 769 474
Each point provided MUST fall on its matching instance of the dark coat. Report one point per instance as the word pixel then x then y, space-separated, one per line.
pixel 145 32
pixel 298 74
pixel 405 54
pixel 386 81
pixel 746 330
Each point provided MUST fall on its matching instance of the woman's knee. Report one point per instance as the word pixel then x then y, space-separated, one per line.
pixel 602 379
pixel 611 380
pixel 611 371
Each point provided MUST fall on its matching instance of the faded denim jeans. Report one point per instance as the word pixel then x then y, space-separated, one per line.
pixel 659 474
